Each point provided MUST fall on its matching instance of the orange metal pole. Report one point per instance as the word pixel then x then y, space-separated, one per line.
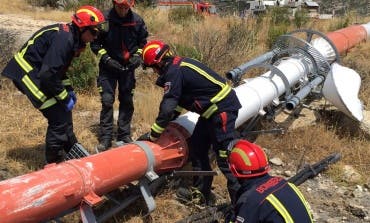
pixel 44 194
pixel 346 38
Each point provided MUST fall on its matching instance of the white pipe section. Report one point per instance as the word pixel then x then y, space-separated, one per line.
pixel 257 93
pixel 367 27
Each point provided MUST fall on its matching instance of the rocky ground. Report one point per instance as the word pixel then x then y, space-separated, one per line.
pixel 331 202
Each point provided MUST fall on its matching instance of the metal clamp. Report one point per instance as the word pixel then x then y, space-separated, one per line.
pixel 150 174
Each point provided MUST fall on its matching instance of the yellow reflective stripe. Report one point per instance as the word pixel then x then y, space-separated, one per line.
pixel 62 95
pixel 222 153
pixel 100 89
pixel 32 41
pixel 150 47
pixel 280 208
pixel 179 108
pixel 305 203
pixel 33 88
pixel 19 56
pixel 91 13
pixel 101 52
pixel 211 109
pixel 243 155
pixel 139 51
pixel 156 128
pixel 66 82
pixel 48 103
pixel 203 73
pixel 23 63
pixel 222 94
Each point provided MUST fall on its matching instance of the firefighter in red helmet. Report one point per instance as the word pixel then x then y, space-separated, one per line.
pixel 191 85
pixel 263 198
pixel 119 51
pixel 39 68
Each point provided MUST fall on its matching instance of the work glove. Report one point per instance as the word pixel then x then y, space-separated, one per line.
pixel 72 94
pixel 112 64
pixel 135 61
pixel 175 115
pixel 147 137
pixel 68 103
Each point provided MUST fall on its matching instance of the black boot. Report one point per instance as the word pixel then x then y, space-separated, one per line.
pixel 104 145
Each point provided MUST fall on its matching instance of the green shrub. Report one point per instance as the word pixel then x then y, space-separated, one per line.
pixel 301 18
pixel 274 32
pixel 340 23
pixel 83 70
pixel 183 15
pixel 187 51
pixel 279 16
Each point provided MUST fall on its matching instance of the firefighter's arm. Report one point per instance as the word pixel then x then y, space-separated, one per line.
pixel 54 67
pixel 166 112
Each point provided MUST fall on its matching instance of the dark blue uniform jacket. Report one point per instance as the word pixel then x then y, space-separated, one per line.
pixel 270 199
pixel 191 85
pixel 39 68
pixel 125 37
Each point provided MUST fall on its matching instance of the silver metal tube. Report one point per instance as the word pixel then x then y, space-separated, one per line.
pixel 301 94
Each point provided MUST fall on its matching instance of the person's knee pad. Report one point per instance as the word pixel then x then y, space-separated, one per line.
pixel 107 100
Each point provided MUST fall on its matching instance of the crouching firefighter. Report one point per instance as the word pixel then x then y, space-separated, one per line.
pixel 39 68
pixel 191 85
pixel 263 198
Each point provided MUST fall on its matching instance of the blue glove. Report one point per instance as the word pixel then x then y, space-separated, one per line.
pixel 72 94
pixel 70 103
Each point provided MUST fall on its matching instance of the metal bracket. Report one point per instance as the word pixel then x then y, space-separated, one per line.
pixel 87 213
pixel 150 174
pixel 309 35
pixel 275 71
pixel 147 195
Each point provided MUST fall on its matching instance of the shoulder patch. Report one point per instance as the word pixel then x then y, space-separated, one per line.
pixel 167 87
pixel 239 219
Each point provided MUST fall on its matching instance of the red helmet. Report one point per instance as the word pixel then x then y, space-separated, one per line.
pixel 88 16
pixel 247 160
pixel 127 3
pixel 153 52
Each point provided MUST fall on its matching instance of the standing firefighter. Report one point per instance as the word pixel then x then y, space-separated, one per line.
pixel 263 198
pixel 191 85
pixel 39 68
pixel 119 51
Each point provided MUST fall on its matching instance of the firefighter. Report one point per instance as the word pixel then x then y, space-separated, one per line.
pixel 39 68
pixel 262 197
pixel 189 84
pixel 119 51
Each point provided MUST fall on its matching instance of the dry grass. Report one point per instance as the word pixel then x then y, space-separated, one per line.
pixel 22 128
pixel 22 8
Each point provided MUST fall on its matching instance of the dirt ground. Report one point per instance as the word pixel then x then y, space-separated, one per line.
pixel 329 201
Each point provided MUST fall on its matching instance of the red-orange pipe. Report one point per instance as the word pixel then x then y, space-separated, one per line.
pixel 346 38
pixel 44 194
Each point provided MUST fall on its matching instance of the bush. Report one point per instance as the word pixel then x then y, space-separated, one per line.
pixel 183 15
pixel 300 18
pixel 279 16
pixel 83 71
pixel 273 33
pixel 187 51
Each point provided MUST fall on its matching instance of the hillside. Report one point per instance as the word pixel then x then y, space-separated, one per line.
pixel 340 195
